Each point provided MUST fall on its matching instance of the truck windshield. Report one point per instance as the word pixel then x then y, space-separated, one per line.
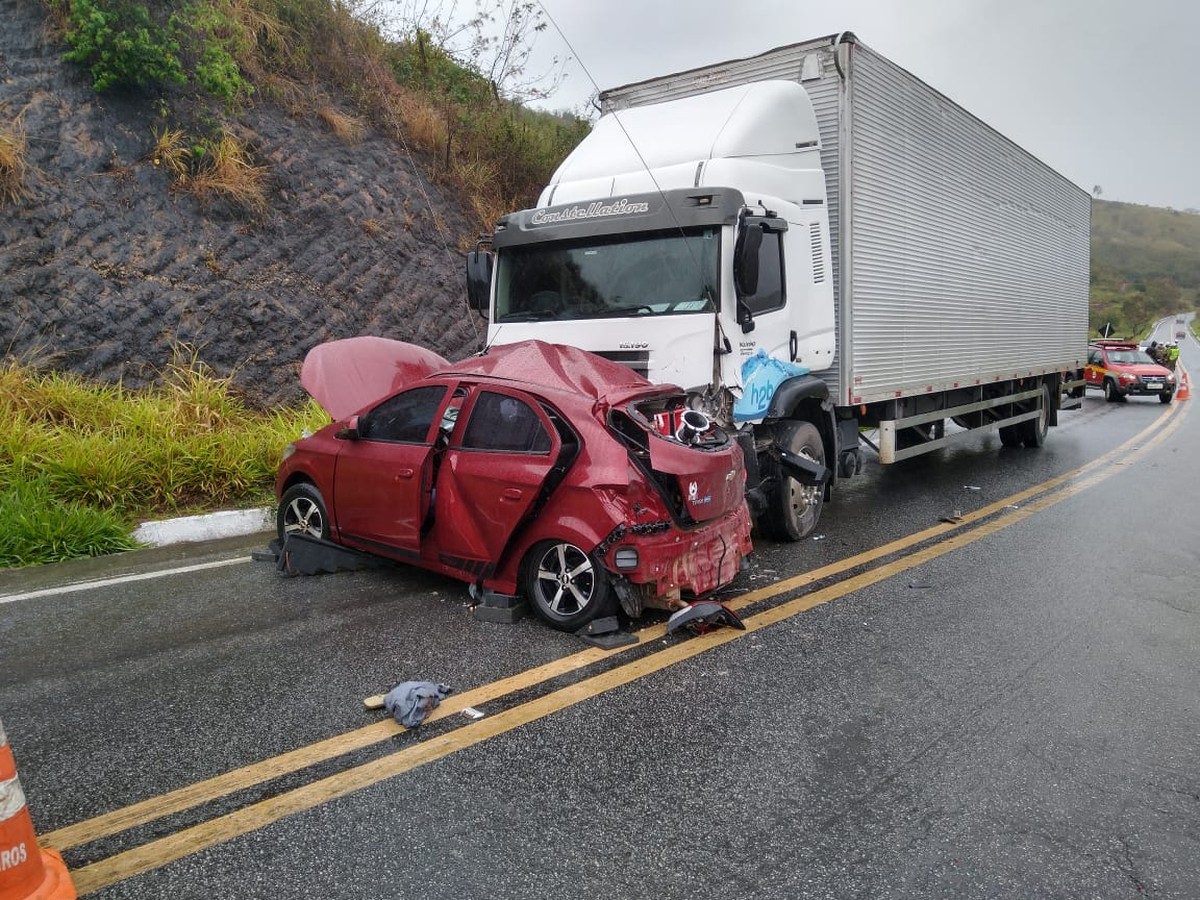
pixel 644 274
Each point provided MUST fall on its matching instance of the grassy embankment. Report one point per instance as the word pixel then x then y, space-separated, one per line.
pixel 81 463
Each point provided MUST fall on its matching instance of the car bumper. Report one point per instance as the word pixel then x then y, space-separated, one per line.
pixel 1147 389
pixel 675 561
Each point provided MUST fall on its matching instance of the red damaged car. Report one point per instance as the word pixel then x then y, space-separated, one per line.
pixel 532 469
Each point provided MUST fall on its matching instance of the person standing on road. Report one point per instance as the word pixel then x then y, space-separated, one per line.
pixel 1152 350
pixel 1172 356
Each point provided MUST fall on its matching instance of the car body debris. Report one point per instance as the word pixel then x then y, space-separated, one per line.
pixel 703 616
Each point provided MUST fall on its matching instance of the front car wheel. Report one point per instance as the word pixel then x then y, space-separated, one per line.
pixel 302 511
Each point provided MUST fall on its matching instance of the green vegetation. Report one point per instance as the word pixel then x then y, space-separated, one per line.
pixel 125 45
pixel 80 462
pixel 1145 265
pixel 199 61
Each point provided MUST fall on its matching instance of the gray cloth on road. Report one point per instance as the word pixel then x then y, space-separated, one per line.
pixel 411 701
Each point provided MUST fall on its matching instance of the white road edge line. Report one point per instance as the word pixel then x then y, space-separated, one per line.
pixel 122 579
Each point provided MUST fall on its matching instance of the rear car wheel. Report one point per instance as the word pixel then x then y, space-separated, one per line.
pixel 566 586
pixel 793 508
pixel 302 511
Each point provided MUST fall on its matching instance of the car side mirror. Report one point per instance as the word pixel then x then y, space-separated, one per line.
pixel 350 432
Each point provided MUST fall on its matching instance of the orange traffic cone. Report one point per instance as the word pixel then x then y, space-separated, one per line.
pixel 26 871
pixel 1184 390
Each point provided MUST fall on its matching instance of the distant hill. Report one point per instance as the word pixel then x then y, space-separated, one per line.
pixel 1145 264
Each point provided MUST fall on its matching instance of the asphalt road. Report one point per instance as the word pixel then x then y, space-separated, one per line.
pixel 1003 707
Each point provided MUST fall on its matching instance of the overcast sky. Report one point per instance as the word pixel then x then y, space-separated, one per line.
pixel 1105 91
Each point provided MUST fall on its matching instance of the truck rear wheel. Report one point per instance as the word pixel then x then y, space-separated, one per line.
pixel 1033 432
pixel 793 508
pixel 1010 435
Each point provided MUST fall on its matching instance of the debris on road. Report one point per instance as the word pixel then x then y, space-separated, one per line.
pixel 411 701
pixel 703 616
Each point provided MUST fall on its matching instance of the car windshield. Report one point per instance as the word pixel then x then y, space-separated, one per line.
pixel 1129 356
pixel 610 277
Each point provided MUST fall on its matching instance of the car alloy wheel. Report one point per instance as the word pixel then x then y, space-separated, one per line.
pixel 565 585
pixel 302 511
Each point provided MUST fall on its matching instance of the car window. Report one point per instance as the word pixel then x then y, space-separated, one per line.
pixel 1094 358
pixel 501 422
pixel 405 417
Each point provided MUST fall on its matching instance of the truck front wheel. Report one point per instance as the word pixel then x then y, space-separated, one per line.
pixel 793 508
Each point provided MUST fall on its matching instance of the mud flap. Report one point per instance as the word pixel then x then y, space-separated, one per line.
pixel 804 470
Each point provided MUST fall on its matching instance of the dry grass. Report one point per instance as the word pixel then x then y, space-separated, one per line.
pixel 228 171
pixel 12 162
pixel 172 153
pixel 349 129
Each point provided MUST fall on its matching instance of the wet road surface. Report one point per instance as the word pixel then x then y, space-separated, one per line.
pixel 1000 707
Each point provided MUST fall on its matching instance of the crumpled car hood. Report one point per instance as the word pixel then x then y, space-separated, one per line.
pixel 348 375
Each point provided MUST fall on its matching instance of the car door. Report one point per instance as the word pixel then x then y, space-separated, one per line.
pixel 383 478
pixel 491 475
pixel 1093 373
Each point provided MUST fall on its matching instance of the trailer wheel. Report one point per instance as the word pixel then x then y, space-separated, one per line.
pixel 566 586
pixel 793 509
pixel 1033 432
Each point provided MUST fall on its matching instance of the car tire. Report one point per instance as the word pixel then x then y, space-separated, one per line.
pixel 1033 432
pixel 1010 435
pixel 793 509
pixel 302 511
pixel 566 586
pixel 1166 397
pixel 1111 394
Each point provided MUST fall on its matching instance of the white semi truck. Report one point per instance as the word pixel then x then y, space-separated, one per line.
pixel 827 252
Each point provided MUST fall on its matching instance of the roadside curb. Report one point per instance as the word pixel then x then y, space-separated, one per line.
pixel 206 527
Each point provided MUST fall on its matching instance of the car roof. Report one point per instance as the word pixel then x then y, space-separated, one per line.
pixel 557 367
pixel 348 375
pixel 1115 345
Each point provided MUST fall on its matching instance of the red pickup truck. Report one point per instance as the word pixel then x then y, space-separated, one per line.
pixel 1121 368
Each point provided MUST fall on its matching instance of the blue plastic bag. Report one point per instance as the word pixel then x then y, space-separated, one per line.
pixel 761 377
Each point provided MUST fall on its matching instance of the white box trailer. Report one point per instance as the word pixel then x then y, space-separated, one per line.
pixel 957 256
pixel 899 264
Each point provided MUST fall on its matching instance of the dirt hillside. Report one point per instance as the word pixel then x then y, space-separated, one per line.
pixel 104 267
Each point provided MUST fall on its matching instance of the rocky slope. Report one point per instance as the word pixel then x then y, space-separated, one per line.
pixel 104 268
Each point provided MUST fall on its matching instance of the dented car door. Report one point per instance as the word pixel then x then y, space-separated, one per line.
pixel 491 476
pixel 383 475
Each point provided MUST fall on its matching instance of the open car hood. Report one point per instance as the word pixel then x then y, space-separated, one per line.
pixel 348 375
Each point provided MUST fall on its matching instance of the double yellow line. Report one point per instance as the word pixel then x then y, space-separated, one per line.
pixel 940 539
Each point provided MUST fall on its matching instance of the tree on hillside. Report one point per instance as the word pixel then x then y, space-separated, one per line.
pixel 496 40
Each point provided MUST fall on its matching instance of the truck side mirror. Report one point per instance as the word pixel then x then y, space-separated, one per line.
pixel 479 280
pixel 745 271
pixel 745 259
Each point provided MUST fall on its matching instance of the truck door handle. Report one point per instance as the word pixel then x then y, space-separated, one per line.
pixel 510 494
pixel 794 345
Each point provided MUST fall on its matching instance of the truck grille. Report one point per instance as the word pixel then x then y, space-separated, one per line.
pixel 638 360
